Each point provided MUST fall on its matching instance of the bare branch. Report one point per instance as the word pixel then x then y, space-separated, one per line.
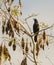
pixel 30 16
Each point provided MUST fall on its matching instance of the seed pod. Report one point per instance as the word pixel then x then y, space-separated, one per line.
pixel 4 50
pixel 0 60
pixel 26 48
pixel 14 47
pixel 0 50
pixel 8 56
pixel 43 47
pixel 9 25
pixel 20 13
pixel 37 49
pixel 47 43
pixel 0 54
pixel 5 53
pixel 12 34
pixel 9 33
pixel 6 30
pixel 30 44
pixel 10 43
pixel 22 43
pixel 44 35
pixel 17 27
pixel 24 62
pixel 2 29
pixel 8 9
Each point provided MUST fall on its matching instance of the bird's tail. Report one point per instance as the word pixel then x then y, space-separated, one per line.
pixel 35 38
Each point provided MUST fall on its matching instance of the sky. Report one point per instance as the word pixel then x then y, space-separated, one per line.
pixel 45 11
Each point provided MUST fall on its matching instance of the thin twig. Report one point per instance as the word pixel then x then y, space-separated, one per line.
pixel 48 35
pixel 30 16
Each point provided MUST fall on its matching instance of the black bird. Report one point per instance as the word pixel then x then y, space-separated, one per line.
pixel 35 29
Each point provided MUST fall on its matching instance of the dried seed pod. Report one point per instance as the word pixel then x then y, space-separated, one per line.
pixel 10 43
pixel 24 62
pixel 20 13
pixel 17 27
pixel 12 34
pixel 40 45
pixel 5 53
pixel 22 43
pixel 5 50
pixel 43 47
pixel 44 35
pixel 0 54
pixel 40 40
pixel 30 44
pixel 47 43
pixel 26 48
pixel 9 25
pixel 6 30
pixel 14 47
pixel 37 49
pixel 0 50
pixel 9 33
pixel 9 57
pixel 3 29
pixel 8 9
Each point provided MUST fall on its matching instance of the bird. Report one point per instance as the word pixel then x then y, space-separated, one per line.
pixel 35 29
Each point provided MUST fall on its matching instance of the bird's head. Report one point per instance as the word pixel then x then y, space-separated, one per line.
pixel 35 20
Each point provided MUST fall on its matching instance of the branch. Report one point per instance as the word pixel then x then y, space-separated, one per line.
pixel 48 35
pixel 31 16
pixel 43 30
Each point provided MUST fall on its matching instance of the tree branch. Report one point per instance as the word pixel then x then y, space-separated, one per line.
pixel 43 30
pixel 30 16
